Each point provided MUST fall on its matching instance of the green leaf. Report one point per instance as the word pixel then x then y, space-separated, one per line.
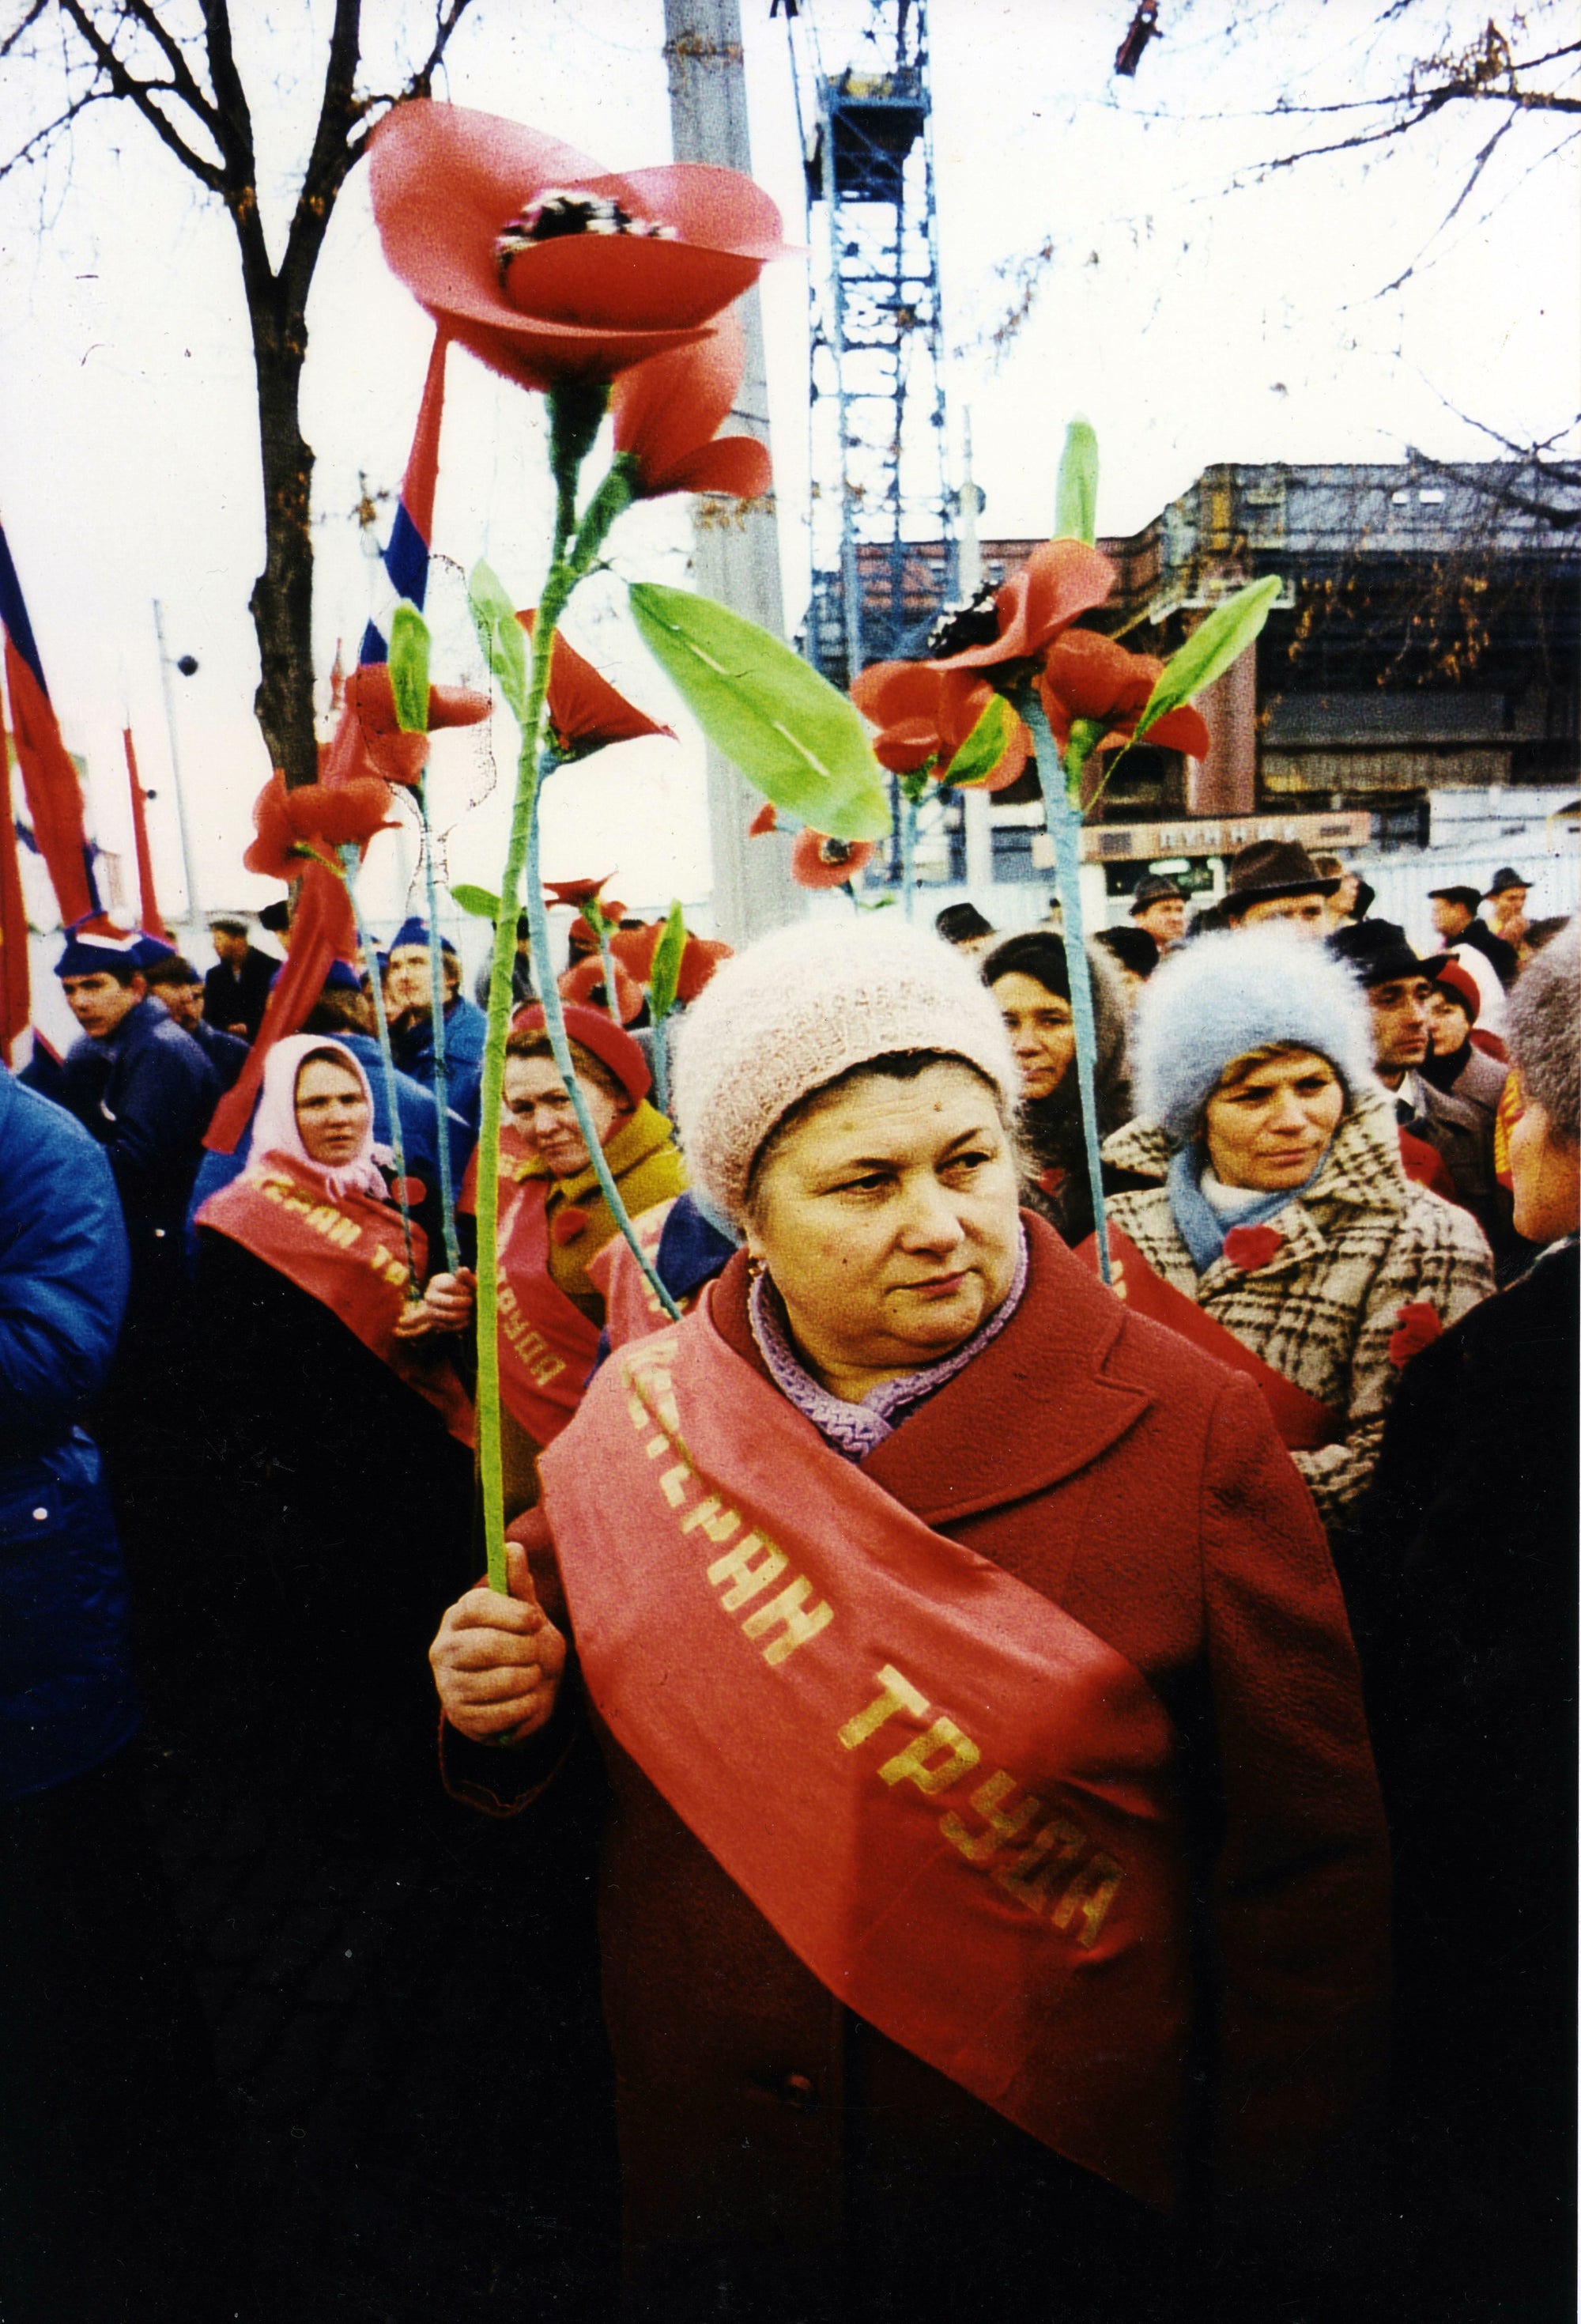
pixel 478 901
pixel 500 634
pixel 796 740
pixel 665 972
pixel 1076 495
pixel 409 669
pixel 1209 650
pixel 983 748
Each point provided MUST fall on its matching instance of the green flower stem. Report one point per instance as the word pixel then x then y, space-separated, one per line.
pixel 436 1005
pixel 569 564
pixel 909 816
pixel 349 862
pixel 661 1064
pixel 1064 822
pixel 608 958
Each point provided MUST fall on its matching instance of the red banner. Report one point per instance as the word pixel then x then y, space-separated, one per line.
pixel 347 1255
pixel 15 987
pixel 952 1802
pixel 547 1346
pixel 1305 1425
pixel 631 1305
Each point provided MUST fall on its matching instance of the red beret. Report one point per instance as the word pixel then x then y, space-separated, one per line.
pixel 602 1037
pixel 1461 986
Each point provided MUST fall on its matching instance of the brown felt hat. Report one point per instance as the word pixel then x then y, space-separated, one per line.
pixel 1269 868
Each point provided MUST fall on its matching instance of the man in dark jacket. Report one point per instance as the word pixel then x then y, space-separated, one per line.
pixel 174 981
pixel 1460 1575
pixel 1456 919
pixel 106 2104
pixel 235 992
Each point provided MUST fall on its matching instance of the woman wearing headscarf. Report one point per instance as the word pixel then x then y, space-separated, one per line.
pixel 1272 1200
pixel 988 1760
pixel 341 1422
pixel 1029 978
pixel 555 1223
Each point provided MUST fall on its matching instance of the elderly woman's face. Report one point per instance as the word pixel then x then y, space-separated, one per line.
pixel 1268 1129
pixel 332 1115
pixel 887 1221
pixel 1042 1029
pixel 540 1103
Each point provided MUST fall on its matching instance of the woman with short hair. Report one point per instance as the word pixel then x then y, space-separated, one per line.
pixel 1030 979
pixel 1268 1195
pixel 990 1774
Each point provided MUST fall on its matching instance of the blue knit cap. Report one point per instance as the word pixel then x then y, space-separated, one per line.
pixel 90 951
pixel 416 932
pixel 1225 995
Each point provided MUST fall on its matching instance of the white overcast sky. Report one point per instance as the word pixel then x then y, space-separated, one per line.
pixel 1192 321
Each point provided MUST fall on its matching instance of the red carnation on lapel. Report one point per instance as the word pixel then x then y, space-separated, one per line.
pixel 567 1224
pixel 1249 1248
pixel 1418 1324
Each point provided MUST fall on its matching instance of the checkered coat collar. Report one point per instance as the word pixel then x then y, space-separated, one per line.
pixel 1362 1171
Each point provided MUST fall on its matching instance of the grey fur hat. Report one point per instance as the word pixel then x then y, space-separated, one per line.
pixel 1226 995
pixel 1545 1030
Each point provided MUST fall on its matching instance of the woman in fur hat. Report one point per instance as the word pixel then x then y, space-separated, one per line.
pixel 994 1854
pixel 1030 979
pixel 1274 1201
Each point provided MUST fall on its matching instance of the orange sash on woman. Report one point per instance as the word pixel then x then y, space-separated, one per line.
pixel 348 1255
pixel 951 1800
pixel 1305 1423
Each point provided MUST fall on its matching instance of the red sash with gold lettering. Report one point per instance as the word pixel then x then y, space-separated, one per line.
pixel 1305 1423
pixel 348 1255
pixel 631 1308
pixel 547 1346
pixel 954 1803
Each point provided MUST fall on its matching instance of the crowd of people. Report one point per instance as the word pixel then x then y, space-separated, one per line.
pixel 1012 1690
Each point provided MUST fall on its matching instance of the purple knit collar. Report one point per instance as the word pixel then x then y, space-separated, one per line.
pixel 856 1430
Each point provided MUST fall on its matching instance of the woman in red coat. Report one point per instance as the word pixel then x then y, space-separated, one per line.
pixel 996 1858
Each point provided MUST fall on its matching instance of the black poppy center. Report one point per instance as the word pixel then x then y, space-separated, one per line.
pixel 975 622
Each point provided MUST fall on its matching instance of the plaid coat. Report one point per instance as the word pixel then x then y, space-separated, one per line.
pixel 1324 1309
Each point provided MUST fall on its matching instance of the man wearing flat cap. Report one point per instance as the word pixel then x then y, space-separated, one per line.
pixel 1455 916
pixel 1277 879
pixel 235 992
pixel 1507 896
pixel 1159 909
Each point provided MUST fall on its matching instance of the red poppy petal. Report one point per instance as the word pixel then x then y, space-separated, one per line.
pixel 810 869
pixel 764 820
pixel 906 746
pixel 574 891
pixel 1059 582
pixel 665 409
pixel 888 691
pixel 624 282
pixel 1182 730
pixel 736 465
pixel 701 957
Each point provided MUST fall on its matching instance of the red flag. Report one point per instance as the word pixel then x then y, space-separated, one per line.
pixel 148 917
pixel 15 992
pixel 54 796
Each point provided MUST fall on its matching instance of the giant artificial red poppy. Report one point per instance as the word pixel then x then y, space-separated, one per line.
pixel 585 713
pixel 1059 582
pixel 579 983
pixel 548 267
pixel 634 949
pixel 667 414
pixel 1086 675
pixel 817 861
pixel 313 816
pixel 924 714
pixel 369 698
pixel 575 891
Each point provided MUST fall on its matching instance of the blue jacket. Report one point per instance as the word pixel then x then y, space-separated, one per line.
pixel 224 1053
pixel 466 1028
pixel 66 1695
pixel 145 1094
pixel 419 1135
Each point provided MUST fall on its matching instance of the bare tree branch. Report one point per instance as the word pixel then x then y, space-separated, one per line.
pixel 40 142
pixel 31 18
pixel 186 87
pixel 140 93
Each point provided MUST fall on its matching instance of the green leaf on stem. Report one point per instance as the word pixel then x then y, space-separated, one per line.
pixel 500 634
pixel 983 748
pixel 477 901
pixel 1076 494
pixel 1209 650
pixel 665 976
pixel 409 669
pixel 796 740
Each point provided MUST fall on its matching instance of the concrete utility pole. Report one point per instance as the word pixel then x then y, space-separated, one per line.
pixel 737 562
pixel 969 558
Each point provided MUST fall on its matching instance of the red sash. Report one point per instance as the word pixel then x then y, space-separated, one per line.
pixel 1305 1423
pixel 547 1346
pixel 952 1802
pixel 347 1254
pixel 631 1307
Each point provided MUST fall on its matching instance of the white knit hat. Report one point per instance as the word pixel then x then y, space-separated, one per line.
pixel 801 1008
pixel 1224 996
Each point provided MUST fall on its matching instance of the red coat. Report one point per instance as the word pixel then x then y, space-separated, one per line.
pixel 1113 1469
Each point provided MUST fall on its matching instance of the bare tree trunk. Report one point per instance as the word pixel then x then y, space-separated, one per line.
pixel 281 604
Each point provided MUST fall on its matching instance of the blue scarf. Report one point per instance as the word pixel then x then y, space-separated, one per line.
pixel 1202 1228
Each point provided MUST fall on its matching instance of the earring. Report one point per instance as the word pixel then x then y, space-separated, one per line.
pixel 755 1266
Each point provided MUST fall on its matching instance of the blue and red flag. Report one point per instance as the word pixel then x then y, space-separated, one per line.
pixel 406 558
pixel 54 795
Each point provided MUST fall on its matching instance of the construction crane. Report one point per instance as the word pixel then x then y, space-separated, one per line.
pixel 883 540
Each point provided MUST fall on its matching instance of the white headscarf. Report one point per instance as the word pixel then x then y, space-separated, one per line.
pixel 276 1130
